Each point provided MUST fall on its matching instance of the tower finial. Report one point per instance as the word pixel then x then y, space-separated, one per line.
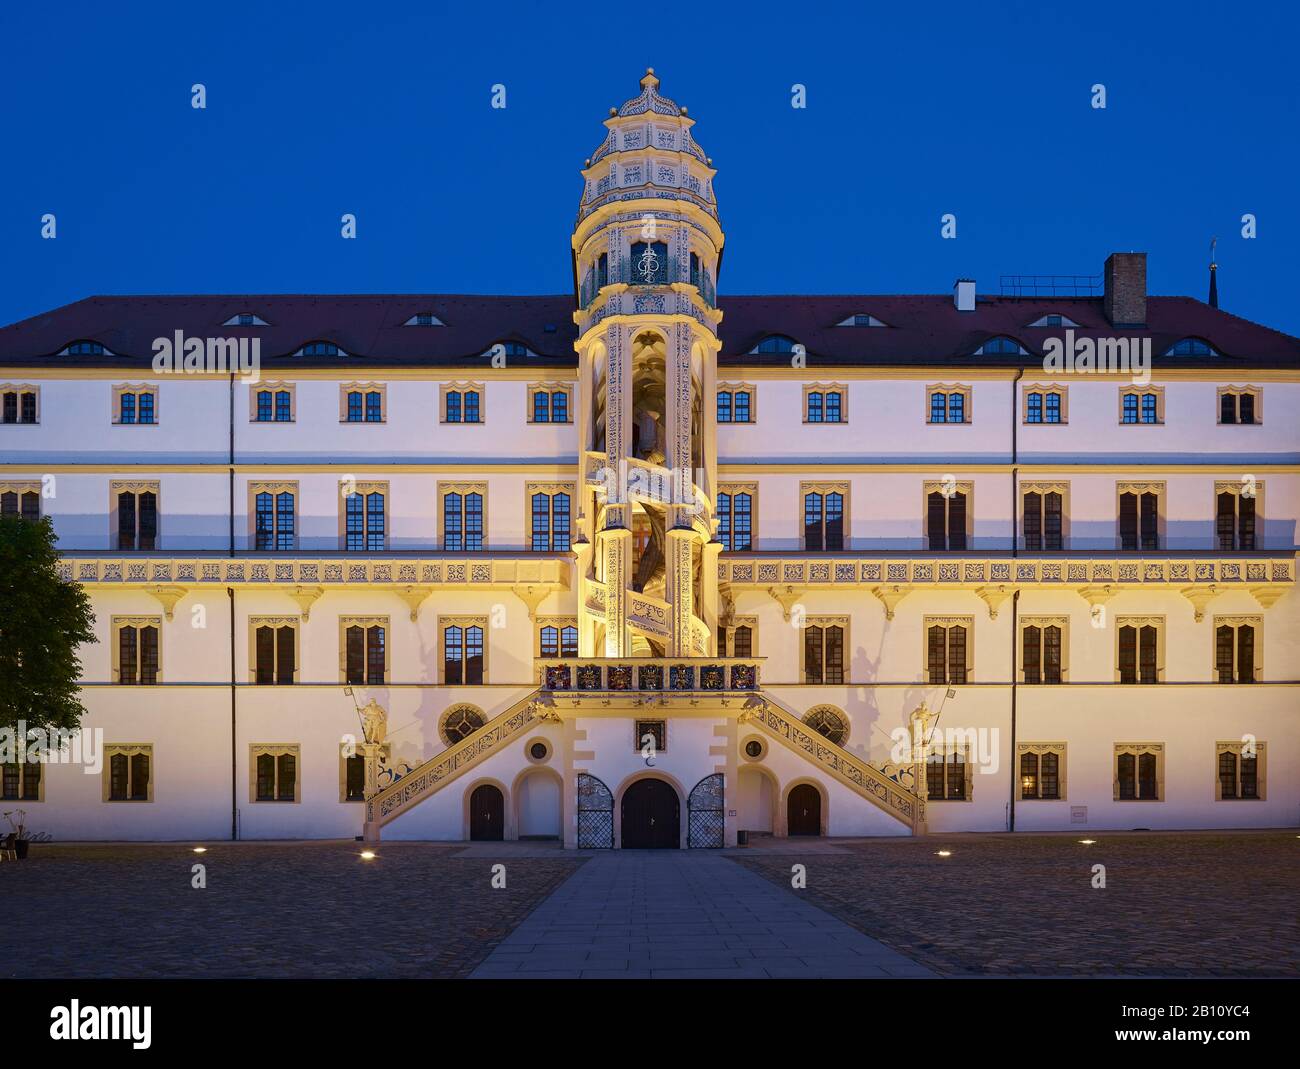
pixel 1214 275
pixel 649 81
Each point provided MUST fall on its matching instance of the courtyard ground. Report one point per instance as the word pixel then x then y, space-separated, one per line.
pixel 1174 904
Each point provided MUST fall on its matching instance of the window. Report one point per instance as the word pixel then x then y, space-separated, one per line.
pixel 1140 515
pixel 861 319
pixel 136 650
pixel 602 270
pixel 739 637
pixel 464 661
pixel 1241 404
pixel 1053 319
pixel 649 263
pixel 736 516
pixel 21 499
pixel 128 772
pixel 273 511
pixel 948 514
pixel 1001 346
pixel 135 405
pixel 352 772
pixel 829 722
pixel 272 402
pixel 550 402
pixel 423 319
pixel 320 348
pixel 274 654
pixel 19 404
pixel 134 511
pixel 22 782
pixel 1140 649
pixel 824 509
pixel 824 642
pixel 460 722
pixel 948 774
pixel 1139 771
pixel 364 517
pixel 1237 514
pixel 1043 513
pixel 775 343
pixel 1044 404
pixel 364 645
pixel 549 514
pixel 1237 648
pixel 273 772
pixel 949 404
pixel 1142 404
pixel 462 402
pixel 363 402
pixel 1191 347
pixel 1044 649
pixel 695 270
pixel 245 319
pixel 557 637
pixel 1239 770
pixel 825 403
pixel 949 649
pixel 463 516
pixel 736 403
pixel 1041 771
pixel 85 348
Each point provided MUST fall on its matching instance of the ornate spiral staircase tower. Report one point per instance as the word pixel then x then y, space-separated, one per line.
pixel 646 246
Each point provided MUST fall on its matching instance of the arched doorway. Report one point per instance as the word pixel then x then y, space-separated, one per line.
pixel 487 814
pixel 804 810
pixel 652 814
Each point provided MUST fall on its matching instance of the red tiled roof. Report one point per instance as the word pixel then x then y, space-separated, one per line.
pixel 920 329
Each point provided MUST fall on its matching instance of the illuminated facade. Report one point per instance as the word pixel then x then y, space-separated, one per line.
pixel 643 566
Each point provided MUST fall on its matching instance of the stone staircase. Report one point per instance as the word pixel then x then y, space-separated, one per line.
pixel 435 773
pixel 865 779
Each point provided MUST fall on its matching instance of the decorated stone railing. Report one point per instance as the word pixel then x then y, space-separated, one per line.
pixel 423 780
pixel 872 783
pixel 654 675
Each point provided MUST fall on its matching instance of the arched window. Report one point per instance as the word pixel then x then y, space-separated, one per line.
pixel 319 348
pixel 775 343
pixel 649 263
pixel 461 721
pixel 829 722
pixel 85 348
pixel 1000 346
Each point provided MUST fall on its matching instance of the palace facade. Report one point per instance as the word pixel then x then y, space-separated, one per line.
pixel 639 565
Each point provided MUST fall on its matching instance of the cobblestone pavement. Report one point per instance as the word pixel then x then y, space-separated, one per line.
pixel 269 909
pixel 683 914
pixel 1217 904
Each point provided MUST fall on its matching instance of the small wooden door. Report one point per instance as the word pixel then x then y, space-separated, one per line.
pixel 487 814
pixel 804 811
pixel 651 815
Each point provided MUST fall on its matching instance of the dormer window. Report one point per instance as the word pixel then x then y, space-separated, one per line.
pixel 511 350
pixel 861 319
pixel 85 348
pixel 1191 347
pixel 1054 319
pixel 424 319
pixel 775 343
pixel 245 319
pixel 1001 346
pixel 320 348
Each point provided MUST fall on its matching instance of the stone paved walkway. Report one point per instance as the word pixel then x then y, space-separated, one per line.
pixel 668 913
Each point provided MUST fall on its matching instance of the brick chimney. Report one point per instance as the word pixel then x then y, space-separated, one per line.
pixel 1125 300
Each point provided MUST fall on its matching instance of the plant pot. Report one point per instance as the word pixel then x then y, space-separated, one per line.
pixel 20 847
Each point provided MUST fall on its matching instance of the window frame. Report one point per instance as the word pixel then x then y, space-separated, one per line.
pixel 1044 621
pixel 135 390
pixel 844 623
pixel 550 490
pixel 968 773
pixel 1045 388
pixel 965 487
pixel 24 767
pixel 824 488
pixel 366 623
pixel 277 750
pixel 363 388
pixel 1236 621
pixel 550 389
pixel 1235 489
pixel 1237 392
pixel 128 750
pixel 22 488
pixel 1137 749
pixel 385 757
pixel 1138 622
pixel 1060 749
pixel 725 633
pixel 948 390
pixel 1043 488
pixel 460 389
pixel 273 388
pixel 275 623
pixel 364 489
pixel 480 488
pixel 275 489
pixel 1139 488
pixel 21 390
pixel 824 388
pixel 463 621
pixel 734 388
pixel 1134 390
pixel 947 622
pixel 732 489
pixel 117 623
pixel 1236 746
pixel 117 487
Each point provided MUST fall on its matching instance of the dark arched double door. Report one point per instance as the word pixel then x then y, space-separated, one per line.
pixel 487 814
pixel 651 816
pixel 804 810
